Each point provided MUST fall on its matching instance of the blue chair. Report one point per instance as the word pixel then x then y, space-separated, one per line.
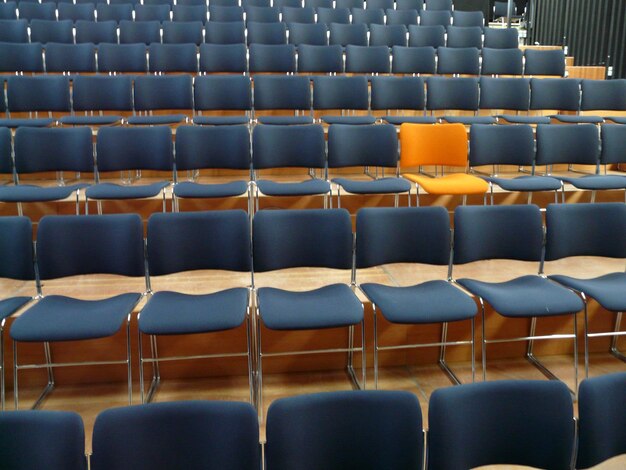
pixel 284 93
pixel 124 58
pixel 513 233
pixel 602 420
pixel 219 93
pixel 73 58
pixel 275 58
pixel 403 17
pixel 333 15
pixel 42 439
pixel 69 246
pixel 439 5
pixel 223 57
pixel 225 13
pixel 182 242
pixel 131 148
pixel 367 59
pixel 315 238
pixel 308 34
pixel 45 31
pixel 173 57
pixel 225 3
pixel 300 15
pixel 458 61
pixel 37 11
pixel 591 230
pixel 348 93
pixel 349 4
pixel 202 147
pixel 187 13
pixel 162 92
pixel 96 32
pixel 169 3
pixel 465 36
pixel 368 16
pixel 515 422
pixel 344 34
pixel 191 2
pixel 8 11
pixel 413 60
pixel 603 95
pixel 262 14
pixel 182 32
pixel 388 35
pixel 544 62
pixel 194 435
pixel 158 13
pixel 320 59
pixel 246 4
pixel 318 3
pixel 380 4
pixel 468 18
pixel 83 11
pixel 416 5
pixel 399 93
pixel 117 13
pixel 146 32
pixel 288 4
pixel 501 62
pixel 346 430
pixel 505 95
pixel 435 17
pixel 455 94
pixel 427 36
pixel 16 57
pixel 217 32
pixel 501 38
pixel 266 33
pixel 13 31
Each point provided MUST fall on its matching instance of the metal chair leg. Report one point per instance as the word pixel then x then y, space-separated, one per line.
pixel 128 361
pixel 259 367
pixel 483 339
pixel 614 351
pixel 375 348
pixel 2 391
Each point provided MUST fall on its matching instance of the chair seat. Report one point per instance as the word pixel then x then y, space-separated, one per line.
pixel 173 313
pixel 469 120
pixel 328 307
pixel 377 186
pixel 11 305
pixel 156 120
pixel 305 188
pixel 187 189
pixel 19 122
pixel 608 290
pixel 285 120
pixel 60 318
pixel 455 183
pixel 527 183
pixel 79 120
pixel 32 193
pixel 597 182
pixel 359 120
pixel 220 120
pixel 397 120
pixel 515 119
pixel 526 296
pixel 118 191
pixel 576 119
pixel 430 302
pixel 616 119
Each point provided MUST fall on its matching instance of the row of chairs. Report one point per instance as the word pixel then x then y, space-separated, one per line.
pixel 282 239
pixel 526 423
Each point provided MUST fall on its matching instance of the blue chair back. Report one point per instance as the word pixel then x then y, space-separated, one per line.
pixel 329 15
pixel 613 143
pixel 185 13
pixel 427 36
pixel 340 92
pixel 277 58
pixel 38 93
pixel 96 32
pixel 397 93
pixel 368 16
pixel 223 57
pixel 122 58
pixel 267 33
pixel 282 92
pixel 462 60
pixel 13 31
pixel 498 38
pixel 83 11
pixel 468 18
pixel 174 58
pixel 452 93
pixel 16 252
pixel 418 59
pixel 183 32
pixel 102 92
pixel 152 13
pixel 288 146
pixel 554 93
pixel 45 31
pixel 603 95
pixel 37 11
pixel 8 11
pixel 163 92
pixel 501 61
pixel 222 92
pixel 6 159
pixel 417 5
pixel 117 13
pixel 298 14
pixel 504 93
pixel 563 143
pixel 320 58
pixel 307 34
pixel 465 36
pixel 226 13
pixel 146 32
pixel 439 5
pixel 544 62
pixel 212 147
pixel 501 145
pixel 388 35
pixel 262 14
pixel 357 145
pixel 134 148
pixel 70 57
pixel 367 59
pixel 344 34
pixel 224 32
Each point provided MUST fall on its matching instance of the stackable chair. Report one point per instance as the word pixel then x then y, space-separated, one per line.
pixel 344 34
pixel 285 93
pixel 506 422
pixel 320 59
pixel 37 11
pixel 468 18
pixel 504 95
pixel 439 144
pixel 509 145
pixel 380 4
pixel 414 60
pixel 224 58
pixel 298 15
pixel 420 236
pixel 20 57
pixel 194 435
pixel 370 147
pixel 330 15
pixel 186 13
pixel 389 35
pixel 602 420
pixel 313 238
pixel 145 32
pixel 272 58
pixel 401 17
pixel 349 4
pixel 70 11
pixel 13 31
pixel 435 17
pixel 345 430
pixel 458 61
pixel 262 14
pixel 122 58
pixel 266 33
pixel 223 94
pixel 183 32
pixel 208 147
pixel 427 36
pixel 224 32
pixel 225 14
pixel 166 58
pixel 603 96
pixel 127 149
pixel 465 36
pixel 70 246
pixel 114 12
pixel 183 242
pixel 513 233
pixel 42 439
pixel 70 58
pixel 455 94
pixel 282 4
pixel 307 34
pixel 144 12
pixel 401 94
pixel 8 11
pixel 96 32
pixel 501 38
pixel 16 253
pixel 439 5
pixel 367 59
pixel 597 230
pixel 416 5
pixel 346 93
pixel 159 93
pixel 501 61
pixel 39 150
pixel 368 16
pixel 318 3
pixel 544 62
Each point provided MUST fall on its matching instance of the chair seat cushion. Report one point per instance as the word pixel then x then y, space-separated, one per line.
pixel 328 307
pixel 468 120
pixel 526 296
pixel 377 186
pixel 576 119
pixel 11 305
pixel 79 120
pixel 305 188
pixel 187 189
pixel 60 318
pixel 597 182
pixel 430 302
pixel 19 122
pixel 220 120
pixel 361 120
pixel 118 191
pixel 616 119
pixel 397 120
pixel 455 183
pixel 608 290
pixel 515 119
pixel 285 120
pixel 32 193
pixel 527 183
pixel 173 313
pixel 156 120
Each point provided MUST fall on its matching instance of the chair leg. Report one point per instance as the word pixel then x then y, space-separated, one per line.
pixel 614 351
pixel 49 386
pixel 473 347
pixel 442 356
pixel 359 385
pixel 156 373
pixel 2 391
pixel 586 333
pixel 483 339
pixel 140 353
pixel 375 348
pixel 259 367
pixel 250 365
pixel 128 361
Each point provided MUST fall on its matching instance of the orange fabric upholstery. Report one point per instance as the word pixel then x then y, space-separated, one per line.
pixel 455 183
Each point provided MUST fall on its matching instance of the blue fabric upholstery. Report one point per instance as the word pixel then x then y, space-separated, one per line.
pixel 603 95
pixel 51 30
pixel 388 35
pixel 225 13
pixel 70 57
pixel 320 58
pixel 212 147
pixel 427 36
pixel 435 17
pixel 285 120
pixel 577 119
pixel 414 59
pixel 145 12
pixel 613 142
pixel 344 34
pixel 11 305
pixel 305 188
pixel 282 92
pixel 501 61
pixel 375 145
pixel 278 58
pixel 607 290
pixel 38 93
pixel 220 120
pixel 156 120
pixel 20 57
pixel 469 120
pixel 104 191
pixel 544 62
pixel 355 120
pixel 616 119
pixel 6 144
pixel 173 58
pixel 262 14
pixel 31 193
pixel 114 12
pixel 397 93
pixel 13 32
pixel 302 34
pixel 504 422
pixel 517 119
pixel 186 13
pixel 187 189
pixel 462 60
pixel 69 11
pixel 90 120
pixel 465 36
pixel 410 5
pixel 146 32
pixel 288 146
pixel 222 92
pixel 53 440
pixel 501 38
pixel 368 16
pixel 439 5
pixel 345 430
pixel 126 148
pixel 554 93
pixel 563 143
pixel 377 186
pixel 452 93
pixel 401 17
pixel 367 59
pixel 36 11
pixel 223 58
pixel 329 15
pixel 597 182
pixel 193 435
pixel 468 18
pixel 219 32
pixel 504 93
pixel 122 58
pixel 8 11
pixel 298 15
pixel 183 32
pixel 16 248
pixel 501 145
pixel 153 92
pixel 397 120
pixel 527 183
pixel 266 33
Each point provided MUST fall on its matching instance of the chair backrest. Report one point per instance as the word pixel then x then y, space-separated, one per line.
pixel 289 4
pixel 226 13
pixel 8 11
pixel 70 11
pixel 423 36
pixel 465 36
pixel 220 32
pixel 397 93
pixel 563 143
pixel 462 60
pixel 613 143
pixel 20 57
pixel 122 58
pixel 16 253
pixel 37 11
pixel 6 149
pixel 307 34
pixel 497 232
pixel 163 92
pixel 435 17
pixel 301 238
pixel 288 146
pixel 267 33
pixel 102 93
pixel 358 145
pixel 333 15
pixel 14 31
pixel 38 93
pixel 213 147
pixel 382 4
pixel 345 430
pixel 152 12
pixel 452 93
pixel 367 59
pixel 302 15
pixel 544 62
pixel 501 38
pixel 262 14
pixel 585 230
pixel 417 5
pixel 282 92
pixel 96 32
pixel 222 92
pixel 119 12
pixel 387 235
pixel 278 58
pixel 444 5
pixel 344 34
pixel 318 3
pixel 70 57
pixel 368 16
pixel 414 59
pixel 134 148
pixel 603 95
pixel 190 13
pixel 188 241
pixel 340 92
pixel 504 93
pixel 512 422
pixel 555 93
pixel 404 17
pixel 223 57
pixel 173 57
pixel 501 145
pixel 183 32
pixel 349 4
pixel 468 18
pixel 193 435
pixel 320 59
pixel 90 244
pixel 501 62
pixel 140 31
pixel 42 439
pixel 45 31
pixel 602 419
pixel 427 144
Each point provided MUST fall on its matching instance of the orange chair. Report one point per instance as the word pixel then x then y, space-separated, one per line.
pixel 439 144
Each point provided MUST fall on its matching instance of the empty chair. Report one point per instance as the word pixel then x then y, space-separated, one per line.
pixel 217 32
pixel 122 58
pixel 404 17
pixel 349 4
pixel 501 38
pixel 8 11
pixel 190 13
pixel 183 242
pixel 161 92
pixel 366 146
pixel 246 4
pixel 73 58
pixel 320 59
pixel 262 14
pixel 458 61
pixel 501 62
pixel 45 31
pixel 277 58
pixel 204 147
pixel 445 5
pixel 169 3
pixel 25 57
pixel 513 233
pixel 302 15
pixel 220 93
pixel 118 2
pixel 152 13
pixel 37 11
pixel 505 95
pixel 182 32
pixel 283 93
pixel 544 62
pixel 435 17
pixel 194 434
pixel 344 94
pixel 455 94
pixel 427 36
pixel 111 244
pixel 388 35
pixel 414 60
pixel 399 93
pixel 83 11
pixel 42 439
pixel 381 4
pixel 605 96
pixel 140 31
pixel 340 429
pixel 465 36
pixel 318 3
pixel 173 58
pixel 409 5
pixel 223 58
pixel 13 31
pixel 119 12
pixel 309 34
pixel 225 13
pixel 537 416
pixel 468 18
pixel 344 34
pixel 96 32
pixel 367 59
pixel 333 15
pixel 368 16
pixel 266 33
pixel 288 4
